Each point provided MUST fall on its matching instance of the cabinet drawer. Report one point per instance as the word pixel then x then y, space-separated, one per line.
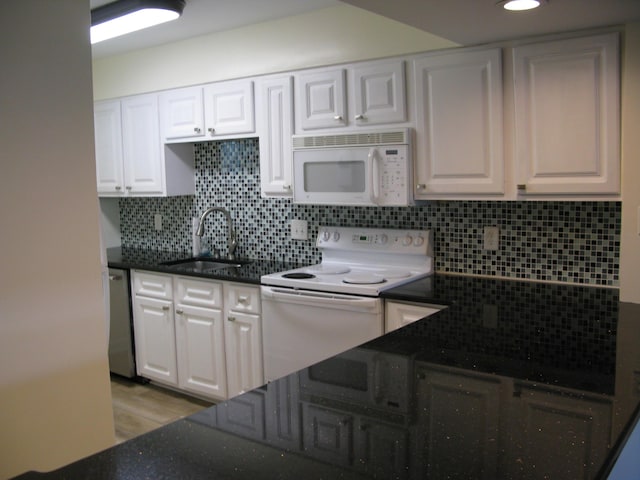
pixel 199 293
pixel 153 285
pixel 242 298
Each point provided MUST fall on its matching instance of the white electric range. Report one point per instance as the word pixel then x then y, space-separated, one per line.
pixel 315 312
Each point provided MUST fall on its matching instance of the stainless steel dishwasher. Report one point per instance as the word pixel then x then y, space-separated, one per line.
pixel 121 349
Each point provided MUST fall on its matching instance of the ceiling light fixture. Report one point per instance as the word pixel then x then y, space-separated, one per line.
pixel 126 16
pixel 520 5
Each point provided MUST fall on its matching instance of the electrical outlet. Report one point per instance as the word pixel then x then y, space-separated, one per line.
pixel 157 222
pixel 491 238
pixel 299 230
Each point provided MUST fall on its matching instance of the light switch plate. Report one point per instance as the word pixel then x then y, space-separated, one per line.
pixel 299 230
pixel 157 222
pixel 491 238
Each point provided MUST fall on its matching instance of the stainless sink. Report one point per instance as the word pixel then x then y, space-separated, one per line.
pixel 204 265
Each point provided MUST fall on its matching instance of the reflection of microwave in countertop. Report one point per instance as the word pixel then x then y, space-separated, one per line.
pixel 360 168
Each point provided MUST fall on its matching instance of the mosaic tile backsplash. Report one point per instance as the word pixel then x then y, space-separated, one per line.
pixel 574 242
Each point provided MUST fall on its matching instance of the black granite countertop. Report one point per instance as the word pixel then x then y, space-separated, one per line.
pixel 156 260
pixel 513 380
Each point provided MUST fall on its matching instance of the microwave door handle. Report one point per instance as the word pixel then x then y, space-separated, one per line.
pixel 374 176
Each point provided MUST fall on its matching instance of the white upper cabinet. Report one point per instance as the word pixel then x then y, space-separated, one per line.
pixel 567 99
pixel 141 144
pixel 182 114
pixel 108 137
pixel 228 108
pixel 359 95
pixel 320 99
pixel 378 93
pixel 459 128
pixel 274 118
pixel 130 158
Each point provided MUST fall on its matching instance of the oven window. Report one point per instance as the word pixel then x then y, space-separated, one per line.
pixel 342 176
pixel 340 372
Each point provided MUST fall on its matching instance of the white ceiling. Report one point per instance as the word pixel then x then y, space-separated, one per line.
pixel 467 22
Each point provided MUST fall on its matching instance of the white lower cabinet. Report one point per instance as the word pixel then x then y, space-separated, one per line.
pixel 399 314
pixel 201 336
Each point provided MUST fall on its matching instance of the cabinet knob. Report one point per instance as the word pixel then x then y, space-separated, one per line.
pixel 231 319
pixel 128 187
pixel 243 299
pixel 338 117
pixel 118 187
pixel 522 187
pixel 360 117
pixel 421 186
pixel 165 308
pixel 179 312
pixel 211 130
pixel 196 129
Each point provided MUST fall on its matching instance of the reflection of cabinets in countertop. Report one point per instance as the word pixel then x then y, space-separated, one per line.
pixel 461 411
pixel 202 336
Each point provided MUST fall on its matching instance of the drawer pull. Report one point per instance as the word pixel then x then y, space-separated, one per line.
pixel 231 319
pixel 243 299
pixel 522 186
pixel 421 186
pixel 165 308
pixel 179 312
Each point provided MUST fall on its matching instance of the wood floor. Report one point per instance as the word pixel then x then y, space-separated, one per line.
pixel 139 408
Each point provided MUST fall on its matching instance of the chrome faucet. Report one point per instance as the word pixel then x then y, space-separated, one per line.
pixel 231 236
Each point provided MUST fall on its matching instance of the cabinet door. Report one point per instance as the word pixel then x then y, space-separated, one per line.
pixel 567 101
pixel 451 403
pixel 381 450
pixel 320 99
pixel 108 137
pixel 243 345
pixel 459 118
pixel 379 94
pixel 244 415
pixel 143 170
pixel 182 114
pixel 155 340
pixel 200 348
pixel 274 113
pixel 400 314
pixel 229 108
pixel 283 420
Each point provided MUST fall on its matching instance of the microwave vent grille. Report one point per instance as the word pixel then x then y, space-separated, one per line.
pixel 352 139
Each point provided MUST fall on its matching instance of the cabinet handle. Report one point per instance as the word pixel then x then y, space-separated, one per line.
pixel 360 117
pixel 128 187
pixel 522 186
pixel 421 186
pixel 179 312
pixel 118 187
pixel 196 129
pixel 211 130
pixel 338 117
pixel 287 187
pixel 231 319
pixel 165 308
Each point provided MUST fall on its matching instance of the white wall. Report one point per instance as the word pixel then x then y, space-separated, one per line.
pixel 55 399
pixel 630 239
pixel 324 37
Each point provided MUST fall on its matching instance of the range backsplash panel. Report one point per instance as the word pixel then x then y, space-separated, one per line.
pixel 576 242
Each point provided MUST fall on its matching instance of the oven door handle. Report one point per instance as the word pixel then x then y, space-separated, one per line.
pixel 317 298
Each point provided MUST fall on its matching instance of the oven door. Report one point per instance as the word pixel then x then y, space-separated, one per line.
pixel 335 176
pixel 301 328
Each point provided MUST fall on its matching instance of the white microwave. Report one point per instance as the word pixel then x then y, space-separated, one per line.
pixel 372 168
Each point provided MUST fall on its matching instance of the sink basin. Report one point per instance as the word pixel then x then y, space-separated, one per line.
pixel 203 265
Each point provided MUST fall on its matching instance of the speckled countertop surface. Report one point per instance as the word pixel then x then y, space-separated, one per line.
pixel 514 380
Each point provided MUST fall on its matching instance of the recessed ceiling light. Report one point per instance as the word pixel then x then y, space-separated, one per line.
pixel 520 5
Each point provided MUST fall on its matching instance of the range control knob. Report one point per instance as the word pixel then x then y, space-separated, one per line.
pixel 326 235
pixel 418 241
pixel 336 236
pixel 407 240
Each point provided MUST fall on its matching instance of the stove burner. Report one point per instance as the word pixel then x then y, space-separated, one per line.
pixel 328 269
pixel 298 275
pixel 364 279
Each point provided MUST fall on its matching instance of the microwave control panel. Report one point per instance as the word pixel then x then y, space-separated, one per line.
pixel 394 173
